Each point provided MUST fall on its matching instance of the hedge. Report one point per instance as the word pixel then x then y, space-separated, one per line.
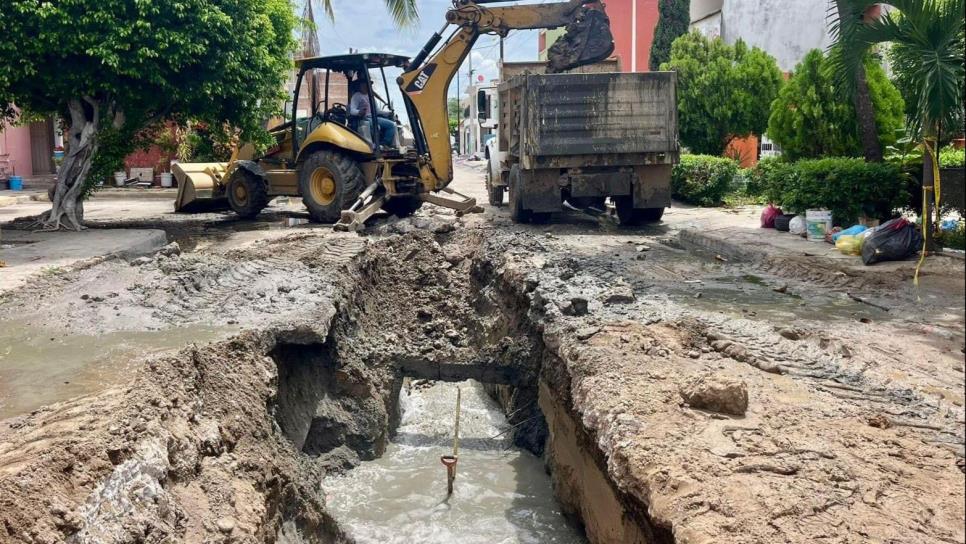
pixel 849 187
pixel 703 179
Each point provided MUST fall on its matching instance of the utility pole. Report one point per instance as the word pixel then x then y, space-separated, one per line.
pixel 501 50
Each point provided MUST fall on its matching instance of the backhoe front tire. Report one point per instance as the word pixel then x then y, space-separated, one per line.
pixel 247 194
pixel 329 182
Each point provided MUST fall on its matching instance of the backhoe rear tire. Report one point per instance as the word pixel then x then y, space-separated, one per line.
pixel 402 206
pixel 247 194
pixel 329 182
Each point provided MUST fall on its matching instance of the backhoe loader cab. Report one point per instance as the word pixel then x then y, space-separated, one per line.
pixel 321 153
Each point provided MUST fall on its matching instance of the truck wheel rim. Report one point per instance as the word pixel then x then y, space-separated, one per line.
pixel 322 186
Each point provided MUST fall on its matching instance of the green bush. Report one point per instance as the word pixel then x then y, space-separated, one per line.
pixel 848 187
pixel 954 238
pixel 813 118
pixel 703 179
pixel 950 157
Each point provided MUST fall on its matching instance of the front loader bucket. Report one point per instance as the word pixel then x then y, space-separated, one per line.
pixel 587 40
pixel 200 187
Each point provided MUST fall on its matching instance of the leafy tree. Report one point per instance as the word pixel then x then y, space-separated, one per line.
pixel 928 57
pixel 114 69
pixel 813 118
pixel 724 91
pixel 674 17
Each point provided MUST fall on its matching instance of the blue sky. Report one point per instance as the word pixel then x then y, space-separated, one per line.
pixel 365 25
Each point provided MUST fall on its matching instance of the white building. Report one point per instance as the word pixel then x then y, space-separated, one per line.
pixel 473 133
pixel 785 29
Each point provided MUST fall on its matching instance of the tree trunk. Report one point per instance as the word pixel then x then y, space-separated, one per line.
pixel 861 99
pixel 865 113
pixel 928 196
pixel 67 195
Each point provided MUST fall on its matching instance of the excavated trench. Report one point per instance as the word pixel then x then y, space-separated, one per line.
pixel 235 440
pixel 429 311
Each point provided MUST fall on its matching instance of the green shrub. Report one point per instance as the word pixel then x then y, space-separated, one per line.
pixel 759 176
pixel 954 238
pixel 950 157
pixel 703 179
pixel 848 187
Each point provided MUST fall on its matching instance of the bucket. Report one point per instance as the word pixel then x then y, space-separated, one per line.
pixel 817 223
pixel 119 178
pixel 167 179
pixel 15 183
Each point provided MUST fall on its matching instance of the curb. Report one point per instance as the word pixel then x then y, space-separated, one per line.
pixel 21 199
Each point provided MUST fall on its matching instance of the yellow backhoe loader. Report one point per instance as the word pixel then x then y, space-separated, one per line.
pixel 346 167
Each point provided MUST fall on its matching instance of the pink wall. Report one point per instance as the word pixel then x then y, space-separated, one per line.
pixel 622 26
pixel 15 141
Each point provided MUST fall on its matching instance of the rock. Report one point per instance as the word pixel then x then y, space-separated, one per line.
pixel 141 261
pixel 790 333
pixel 170 250
pixel 585 333
pixel 698 295
pixel 879 421
pixel 576 306
pixel 642 247
pixel 694 354
pixel 781 289
pixel 620 294
pixel 717 394
pixel 225 525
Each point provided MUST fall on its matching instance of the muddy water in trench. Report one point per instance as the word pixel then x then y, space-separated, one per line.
pixel 502 494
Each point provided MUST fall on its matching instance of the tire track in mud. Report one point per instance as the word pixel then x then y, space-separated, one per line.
pixel 271 278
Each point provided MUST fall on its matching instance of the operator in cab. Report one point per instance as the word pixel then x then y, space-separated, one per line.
pixel 360 108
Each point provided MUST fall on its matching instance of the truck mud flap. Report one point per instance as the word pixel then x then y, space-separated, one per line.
pixel 652 186
pixel 541 190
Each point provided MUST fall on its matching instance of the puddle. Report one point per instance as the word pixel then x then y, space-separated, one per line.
pixel 38 367
pixel 502 495
pixel 752 295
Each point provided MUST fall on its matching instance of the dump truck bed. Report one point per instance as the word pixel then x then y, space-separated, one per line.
pixel 573 115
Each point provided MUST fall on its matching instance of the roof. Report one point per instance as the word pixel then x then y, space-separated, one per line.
pixel 352 62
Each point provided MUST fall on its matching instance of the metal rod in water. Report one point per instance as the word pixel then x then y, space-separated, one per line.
pixel 449 461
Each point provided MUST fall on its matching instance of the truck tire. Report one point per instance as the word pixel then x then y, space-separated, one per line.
pixel 247 194
pixel 494 193
pixel 628 215
pixel 329 182
pixel 402 206
pixel 518 213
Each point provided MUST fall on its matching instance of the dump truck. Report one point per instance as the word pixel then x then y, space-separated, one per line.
pixel 582 138
pixel 340 166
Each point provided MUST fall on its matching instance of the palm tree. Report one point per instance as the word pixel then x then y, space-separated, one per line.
pixel 403 12
pixel 928 38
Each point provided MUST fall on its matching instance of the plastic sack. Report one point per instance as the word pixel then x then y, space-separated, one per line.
pixel 768 216
pixel 797 225
pixel 781 222
pixel 849 244
pixel 851 231
pixel 894 240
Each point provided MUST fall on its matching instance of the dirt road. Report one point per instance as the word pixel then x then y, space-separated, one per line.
pixel 681 397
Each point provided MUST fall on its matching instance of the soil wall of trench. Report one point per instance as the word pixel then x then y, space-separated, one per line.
pixel 228 441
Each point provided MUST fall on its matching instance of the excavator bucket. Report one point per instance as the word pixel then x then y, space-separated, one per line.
pixel 200 186
pixel 587 40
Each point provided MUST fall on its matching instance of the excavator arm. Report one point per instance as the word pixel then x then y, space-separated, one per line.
pixel 425 84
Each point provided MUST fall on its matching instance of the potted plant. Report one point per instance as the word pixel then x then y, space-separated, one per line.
pixel 167 144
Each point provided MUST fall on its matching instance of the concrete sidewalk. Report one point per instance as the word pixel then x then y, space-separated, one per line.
pixel 736 235
pixel 27 253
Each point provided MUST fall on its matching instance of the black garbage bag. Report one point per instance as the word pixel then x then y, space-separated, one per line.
pixel 894 240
